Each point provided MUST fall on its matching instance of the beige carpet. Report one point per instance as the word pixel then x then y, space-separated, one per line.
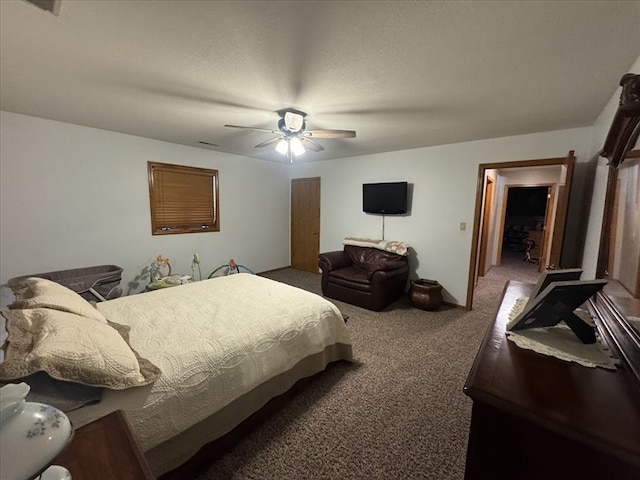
pixel 398 412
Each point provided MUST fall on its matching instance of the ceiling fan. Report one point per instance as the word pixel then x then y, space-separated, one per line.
pixel 293 139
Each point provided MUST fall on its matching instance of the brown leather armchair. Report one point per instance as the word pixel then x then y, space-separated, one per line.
pixel 363 276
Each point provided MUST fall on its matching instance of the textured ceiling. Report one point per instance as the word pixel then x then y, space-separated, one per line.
pixel 402 74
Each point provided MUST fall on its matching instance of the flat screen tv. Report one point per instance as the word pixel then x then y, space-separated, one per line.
pixel 388 198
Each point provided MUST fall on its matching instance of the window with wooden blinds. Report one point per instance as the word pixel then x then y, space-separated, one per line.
pixel 183 199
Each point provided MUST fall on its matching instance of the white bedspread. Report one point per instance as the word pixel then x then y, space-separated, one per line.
pixel 214 341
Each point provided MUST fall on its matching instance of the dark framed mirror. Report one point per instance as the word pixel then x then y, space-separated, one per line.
pixel 618 305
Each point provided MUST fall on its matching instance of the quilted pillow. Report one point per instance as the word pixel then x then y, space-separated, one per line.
pixel 67 347
pixel 36 292
pixel 6 297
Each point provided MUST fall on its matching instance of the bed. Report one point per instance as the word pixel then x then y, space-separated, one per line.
pixel 216 351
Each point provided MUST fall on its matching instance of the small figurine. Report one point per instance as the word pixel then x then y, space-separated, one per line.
pixel 156 272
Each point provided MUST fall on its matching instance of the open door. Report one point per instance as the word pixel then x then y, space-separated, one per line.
pixel 559 222
pixel 486 221
pixel 548 220
pixel 555 260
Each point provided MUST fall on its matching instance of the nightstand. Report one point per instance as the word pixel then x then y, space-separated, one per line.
pixel 105 449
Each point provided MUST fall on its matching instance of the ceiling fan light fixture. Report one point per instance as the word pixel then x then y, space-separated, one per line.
pixel 296 146
pixel 282 147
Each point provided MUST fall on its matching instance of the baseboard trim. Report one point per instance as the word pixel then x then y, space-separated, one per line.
pixel 273 270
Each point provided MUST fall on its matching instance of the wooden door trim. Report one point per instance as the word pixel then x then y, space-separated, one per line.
pixel 482 168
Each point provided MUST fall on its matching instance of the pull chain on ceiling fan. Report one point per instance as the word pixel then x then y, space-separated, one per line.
pixel 293 139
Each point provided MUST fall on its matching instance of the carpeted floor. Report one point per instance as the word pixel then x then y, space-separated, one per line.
pixel 397 412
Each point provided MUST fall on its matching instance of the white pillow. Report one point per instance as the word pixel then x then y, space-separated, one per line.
pixel 6 297
pixel 67 347
pixel 3 336
pixel 34 292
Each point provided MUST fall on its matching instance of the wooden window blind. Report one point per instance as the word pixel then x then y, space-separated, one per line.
pixel 183 199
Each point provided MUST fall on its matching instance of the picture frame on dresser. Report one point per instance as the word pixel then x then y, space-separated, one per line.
pixel 557 303
pixel 549 276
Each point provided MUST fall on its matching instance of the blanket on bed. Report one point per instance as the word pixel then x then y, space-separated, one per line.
pixel 214 341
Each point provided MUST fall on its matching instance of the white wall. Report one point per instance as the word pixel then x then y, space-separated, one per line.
pixel 73 196
pixel 444 182
pixel 596 211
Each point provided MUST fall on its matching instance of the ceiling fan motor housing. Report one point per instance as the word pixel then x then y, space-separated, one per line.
pixel 292 122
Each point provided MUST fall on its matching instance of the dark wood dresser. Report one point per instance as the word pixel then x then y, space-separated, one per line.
pixel 105 449
pixel 538 417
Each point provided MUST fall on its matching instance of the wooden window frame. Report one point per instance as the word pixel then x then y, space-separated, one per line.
pixel 158 197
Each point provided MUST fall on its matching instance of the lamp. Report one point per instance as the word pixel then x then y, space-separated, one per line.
pixel 289 145
pixel 296 146
pixel 282 147
pixel 31 435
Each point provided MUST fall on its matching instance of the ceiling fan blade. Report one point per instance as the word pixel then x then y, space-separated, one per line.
pixel 311 145
pixel 266 143
pixel 330 133
pixel 253 128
